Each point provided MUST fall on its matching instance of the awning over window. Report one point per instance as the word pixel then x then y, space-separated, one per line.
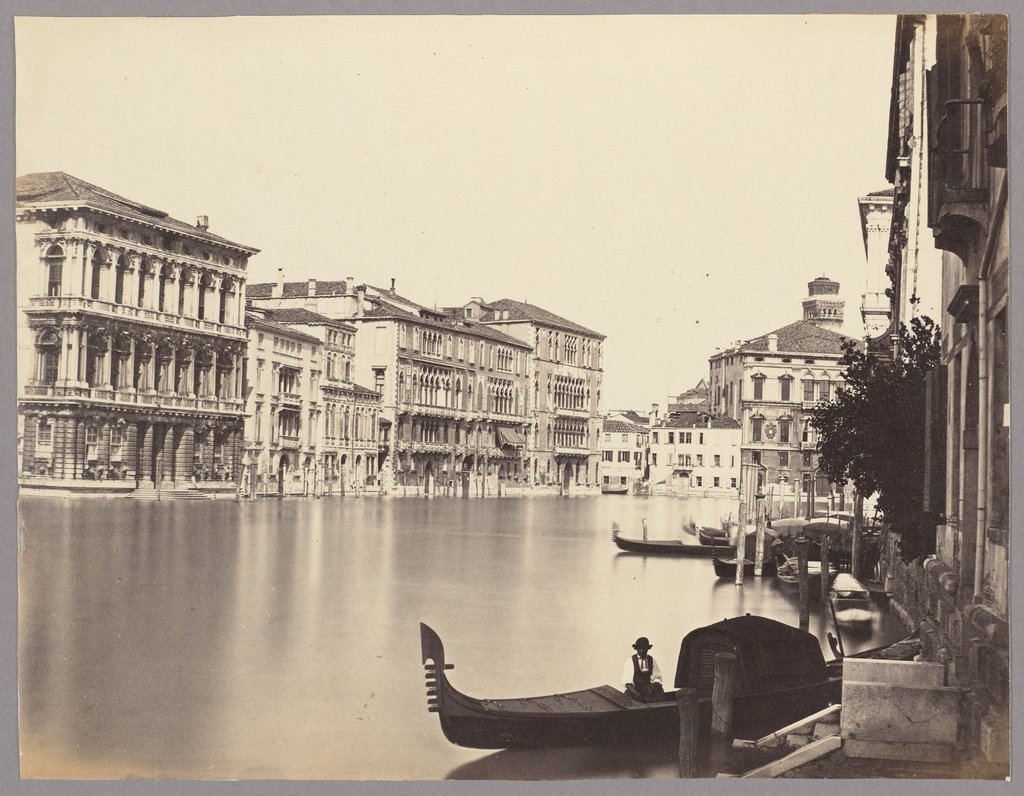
pixel 510 437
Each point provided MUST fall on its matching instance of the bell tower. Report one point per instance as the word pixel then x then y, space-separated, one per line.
pixel 823 307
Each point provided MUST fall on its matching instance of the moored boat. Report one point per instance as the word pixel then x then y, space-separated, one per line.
pixel 671 547
pixel 783 677
pixel 851 601
pixel 726 567
pixel 615 489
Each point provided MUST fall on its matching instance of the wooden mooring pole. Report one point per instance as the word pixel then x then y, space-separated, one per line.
pixel 686 702
pixel 759 537
pixel 722 696
pixel 826 544
pixel 805 590
pixel 857 542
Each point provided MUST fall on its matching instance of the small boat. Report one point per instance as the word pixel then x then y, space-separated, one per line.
pixel 783 677
pixel 788 570
pixel 725 558
pixel 671 547
pixel 851 601
pixel 713 536
pixel 615 489
pixel 726 567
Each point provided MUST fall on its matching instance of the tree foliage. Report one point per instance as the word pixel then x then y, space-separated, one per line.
pixel 873 432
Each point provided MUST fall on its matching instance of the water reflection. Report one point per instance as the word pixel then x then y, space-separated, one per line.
pixel 279 639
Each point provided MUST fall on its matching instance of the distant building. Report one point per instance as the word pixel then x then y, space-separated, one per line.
pixel 696 398
pixel 771 383
pixel 454 394
pixel 565 389
pixel 284 366
pixel 628 416
pixel 310 365
pixel 693 453
pixel 131 339
pixel 624 448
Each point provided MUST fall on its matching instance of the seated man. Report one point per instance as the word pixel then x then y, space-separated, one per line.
pixel 642 675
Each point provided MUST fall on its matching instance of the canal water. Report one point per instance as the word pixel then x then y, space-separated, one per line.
pixel 280 638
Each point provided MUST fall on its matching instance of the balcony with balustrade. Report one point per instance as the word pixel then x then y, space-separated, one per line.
pixel 109 309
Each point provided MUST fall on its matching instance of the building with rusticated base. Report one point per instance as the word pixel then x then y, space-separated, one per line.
pixel 131 338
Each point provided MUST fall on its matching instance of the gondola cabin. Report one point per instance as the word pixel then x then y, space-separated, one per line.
pixel 770 655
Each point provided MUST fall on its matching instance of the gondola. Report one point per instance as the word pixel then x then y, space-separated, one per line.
pixel 670 547
pixel 713 537
pixel 783 677
pixel 614 489
pixel 726 567
pixel 725 558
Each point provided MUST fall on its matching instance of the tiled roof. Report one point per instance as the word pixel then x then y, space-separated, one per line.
pixel 619 427
pixel 389 293
pixel 386 310
pixel 695 420
pixel 254 321
pixel 258 290
pixel 883 192
pixel 801 337
pixel 56 187
pixel 364 390
pixel 301 315
pixel 521 311
pixel 632 416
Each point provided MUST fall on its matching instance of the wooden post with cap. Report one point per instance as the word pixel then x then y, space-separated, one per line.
pixel 686 702
pixel 802 543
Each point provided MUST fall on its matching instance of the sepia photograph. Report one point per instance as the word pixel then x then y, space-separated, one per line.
pixel 531 397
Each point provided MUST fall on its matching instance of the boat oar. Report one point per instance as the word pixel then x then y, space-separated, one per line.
pixel 615 531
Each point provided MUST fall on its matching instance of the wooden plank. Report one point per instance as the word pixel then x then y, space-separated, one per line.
pixel 804 754
pixel 814 718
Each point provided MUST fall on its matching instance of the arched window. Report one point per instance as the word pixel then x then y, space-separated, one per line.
pixel 119 278
pixel 98 260
pixel 204 284
pixel 225 292
pixel 54 263
pixel 48 347
pixel 165 277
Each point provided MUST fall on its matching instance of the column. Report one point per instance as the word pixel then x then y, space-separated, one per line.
pixel 83 356
pixel 144 472
pixel 211 386
pixel 71 279
pixel 106 277
pixel 104 376
pixel 172 367
pixel 128 379
pixel 193 294
pixel 183 454
pixel 131 280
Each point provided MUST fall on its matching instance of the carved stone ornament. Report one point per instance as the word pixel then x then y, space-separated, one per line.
pixel 770 430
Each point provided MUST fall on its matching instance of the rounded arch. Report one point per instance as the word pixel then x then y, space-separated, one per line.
pixel 53 264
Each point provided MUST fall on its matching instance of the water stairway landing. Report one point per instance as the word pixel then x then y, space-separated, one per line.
pixel 150 493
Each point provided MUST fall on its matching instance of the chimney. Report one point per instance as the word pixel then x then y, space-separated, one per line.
pixel 773 342
pixel 360 296
pixel 392 284
pixel 311 287
pixel 203 222
pixel 350 284
pixel 310 302
pixel 654 414
pixel 277 291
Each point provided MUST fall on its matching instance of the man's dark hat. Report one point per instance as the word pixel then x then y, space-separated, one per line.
pixel 643 643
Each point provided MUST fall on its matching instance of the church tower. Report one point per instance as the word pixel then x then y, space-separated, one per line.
pixel 823 307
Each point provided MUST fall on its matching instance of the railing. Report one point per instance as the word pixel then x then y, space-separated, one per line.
pixel 572 449
pixel 566 411
pixel 80 303
pixel 959 172
pixel 106 395
pixel 290 398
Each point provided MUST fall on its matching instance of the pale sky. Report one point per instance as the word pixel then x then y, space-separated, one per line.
pixel 670 181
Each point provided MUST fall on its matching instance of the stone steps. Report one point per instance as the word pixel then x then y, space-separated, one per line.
pixel 150 493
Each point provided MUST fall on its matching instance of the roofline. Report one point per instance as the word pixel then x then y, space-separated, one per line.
pixel 85 203
pixel 407 316
pixel 578 330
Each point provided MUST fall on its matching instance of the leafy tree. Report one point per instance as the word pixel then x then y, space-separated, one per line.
pixel 873 433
